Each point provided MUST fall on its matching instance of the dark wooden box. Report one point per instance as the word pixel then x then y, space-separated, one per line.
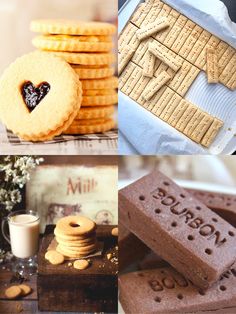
pixel 63 288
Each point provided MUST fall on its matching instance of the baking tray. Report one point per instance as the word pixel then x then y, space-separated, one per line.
pixel 215 99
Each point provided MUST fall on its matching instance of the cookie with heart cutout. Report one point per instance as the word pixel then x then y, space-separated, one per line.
pixel 40 95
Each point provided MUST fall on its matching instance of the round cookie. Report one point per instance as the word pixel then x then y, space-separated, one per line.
pixel 81 264
pixel 73 254
pixel 104 83
pixel 75 226
pixel 13 292
pixel 103 100
pixel 81 249
pixel 114 232
pixel 29 90
pixel 70 27
pixel 56 258
pixel 62 236
pixel 73 43
pixel 93 72
pixel 78 243
pixel 25 289
pixel 98 92
pixel 90 129
pixel 95 112
pixel 84 58
pixel 83 122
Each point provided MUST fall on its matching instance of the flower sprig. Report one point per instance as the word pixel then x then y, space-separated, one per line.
pixel 14 173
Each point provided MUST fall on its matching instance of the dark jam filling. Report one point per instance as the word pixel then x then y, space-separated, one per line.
pixel 33 95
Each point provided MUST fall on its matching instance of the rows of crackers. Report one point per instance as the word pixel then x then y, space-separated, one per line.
pixel 187 49
pixel 187 39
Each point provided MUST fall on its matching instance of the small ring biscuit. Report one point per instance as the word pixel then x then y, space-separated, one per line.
pixel 70 27
pixel 78 243
pixel 81 264
pixel 73 254
pixel 76 226
pixel 62 236
pixel 81 249
pixel 13 292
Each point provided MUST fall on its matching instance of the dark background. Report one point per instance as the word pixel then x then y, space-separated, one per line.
pixel 231 5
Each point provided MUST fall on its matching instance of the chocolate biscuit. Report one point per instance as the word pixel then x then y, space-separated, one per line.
pixel 177 227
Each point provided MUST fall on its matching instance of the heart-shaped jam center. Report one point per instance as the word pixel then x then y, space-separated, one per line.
pixel 33 95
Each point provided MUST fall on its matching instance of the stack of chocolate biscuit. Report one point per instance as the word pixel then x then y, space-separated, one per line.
pixel 87 47
pixel 193 271
pixel 76 236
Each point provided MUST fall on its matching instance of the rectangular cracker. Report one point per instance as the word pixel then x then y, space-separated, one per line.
pixel 139 52
pixel 169 109
pixel 149 104
pixel 228 71
pixel 182 37
pixel 221 48
pixel 231 84
pixel 198 47
pixel 123 58
pixel 194 121
pixel 186 117
pixel 126 35
pixel 153 13
pixel 149 64
pixel 141 12
pixel 140 59
pixel 163 54
pixel 139 87
pixel 161 67
pixel 162 102
pixel 155 84
pixel 212 132
pixel 171 18
pixel 178 113
pixel 132 80
pixel 188 81
pixel 180 75
pixel 191 40
pixel 212 66
pixel 153 28
pixel 224 60
pixel 126 74
pixel 201 60
pixel 175 31
pixel 201 128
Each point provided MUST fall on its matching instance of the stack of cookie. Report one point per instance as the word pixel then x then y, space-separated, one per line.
pixel 76 236
pixel 87 47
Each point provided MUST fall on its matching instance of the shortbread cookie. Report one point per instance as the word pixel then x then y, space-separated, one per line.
pixel 93 128
pixel 70 254
pixel 124 58
pixel 93 72
pixel 105 100
pixel 13 292
pixel 104 83
pixel 81 264
pixel 95 112
pixel 70 27
pixel 152 28
pixel 78 249
pixel 97 92
pixel 75 226
pixel 84 122
pixel 149 64
pixel 25 289
pixel 60 234
pixel 29 90
pixel 73 43
pixel 84 58
pixel 155 85
pixel 114 232
pixel 212 66
pixel 212 132
pixel 56 258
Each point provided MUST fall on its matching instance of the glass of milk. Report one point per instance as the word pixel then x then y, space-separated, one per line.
pixel 24 239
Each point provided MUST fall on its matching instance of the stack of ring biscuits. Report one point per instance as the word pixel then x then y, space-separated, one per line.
pixel 86 46
pixel 76 236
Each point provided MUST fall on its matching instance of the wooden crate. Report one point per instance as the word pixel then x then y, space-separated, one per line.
pixel 63 288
